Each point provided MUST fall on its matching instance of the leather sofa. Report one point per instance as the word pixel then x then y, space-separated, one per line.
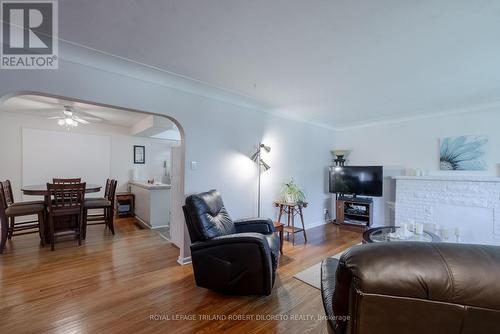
pixel 233 257
pixel 413 287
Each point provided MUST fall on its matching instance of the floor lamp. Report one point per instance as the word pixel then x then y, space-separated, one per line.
pixel 261 164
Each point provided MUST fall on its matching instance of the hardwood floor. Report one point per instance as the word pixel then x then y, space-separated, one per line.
pixel 122 283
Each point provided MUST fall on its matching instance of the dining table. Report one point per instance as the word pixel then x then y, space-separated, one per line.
pixel 41 190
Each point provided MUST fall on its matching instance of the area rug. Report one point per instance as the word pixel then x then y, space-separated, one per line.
pixel 312 275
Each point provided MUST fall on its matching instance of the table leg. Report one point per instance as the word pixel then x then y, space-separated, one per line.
pixel 303 227
pixel 280 213
pixel 292 213
pixel 288 224
pixel 46 220
pixel 41 227
pixel 281 239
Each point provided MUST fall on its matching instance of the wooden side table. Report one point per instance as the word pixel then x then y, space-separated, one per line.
pixel 279 228
pixel 291 210
pixel 127 199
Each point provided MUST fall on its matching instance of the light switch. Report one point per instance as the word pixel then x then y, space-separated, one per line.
pixel 194 165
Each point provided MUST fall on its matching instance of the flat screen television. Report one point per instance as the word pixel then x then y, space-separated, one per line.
pixel 357 180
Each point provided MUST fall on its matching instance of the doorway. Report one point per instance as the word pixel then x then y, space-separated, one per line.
pixel 44 131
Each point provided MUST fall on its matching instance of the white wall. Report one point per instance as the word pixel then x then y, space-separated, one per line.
pixel 157 151
pixel 218 133
pixel 64 154
pixel 415 144
pixel 120 150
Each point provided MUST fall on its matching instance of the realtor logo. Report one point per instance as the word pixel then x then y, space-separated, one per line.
pixel 29 35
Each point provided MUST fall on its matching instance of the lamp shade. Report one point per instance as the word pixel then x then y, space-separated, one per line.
pixel 255 156
pixel 337 153
pixel 266 148
pixel 263 164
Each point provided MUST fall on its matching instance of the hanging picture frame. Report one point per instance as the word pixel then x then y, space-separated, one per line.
pixel 465 153
pixel 139 154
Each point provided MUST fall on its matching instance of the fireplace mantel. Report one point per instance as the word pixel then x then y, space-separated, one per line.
pixel 470 203
pixel 452 178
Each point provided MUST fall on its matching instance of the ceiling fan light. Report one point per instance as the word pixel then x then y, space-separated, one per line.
pixel 68 121
pixel 61 122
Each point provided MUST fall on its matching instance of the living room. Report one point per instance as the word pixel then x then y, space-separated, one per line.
pixel 266 95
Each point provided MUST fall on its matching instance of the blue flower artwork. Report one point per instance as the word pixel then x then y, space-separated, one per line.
pixel 463 153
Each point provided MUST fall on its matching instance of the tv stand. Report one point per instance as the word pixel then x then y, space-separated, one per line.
pixel 354 211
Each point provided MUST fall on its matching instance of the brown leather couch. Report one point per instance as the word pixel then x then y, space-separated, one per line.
pixel 413 287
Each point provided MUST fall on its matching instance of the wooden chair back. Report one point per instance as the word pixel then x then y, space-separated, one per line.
pixel 66 197
pixel 66 181
pixel 106 190
pixel 7 192
pixel 4 222
pixel 3 207
pixel 112 192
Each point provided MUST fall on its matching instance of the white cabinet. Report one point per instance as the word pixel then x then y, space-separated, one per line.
pixel 152 203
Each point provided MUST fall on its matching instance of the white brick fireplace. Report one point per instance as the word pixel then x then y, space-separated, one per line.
pixel 468 202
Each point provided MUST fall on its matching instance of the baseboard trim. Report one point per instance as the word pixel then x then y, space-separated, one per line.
pixel 184 260
pixel 315 224
pixel 158 227
pixel 143 223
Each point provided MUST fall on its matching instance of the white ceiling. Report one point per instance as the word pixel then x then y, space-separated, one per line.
pixel 333 62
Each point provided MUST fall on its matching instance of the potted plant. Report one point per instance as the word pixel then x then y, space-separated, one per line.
pixel 291 193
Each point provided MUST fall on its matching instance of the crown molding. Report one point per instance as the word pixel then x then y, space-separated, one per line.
pixel 104 61
pixel 488 107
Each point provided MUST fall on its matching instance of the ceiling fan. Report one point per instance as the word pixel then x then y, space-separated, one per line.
pixel 71 118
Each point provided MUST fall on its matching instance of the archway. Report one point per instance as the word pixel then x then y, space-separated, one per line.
pixel 178 193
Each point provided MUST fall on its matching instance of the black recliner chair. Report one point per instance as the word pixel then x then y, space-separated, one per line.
pixel 233 257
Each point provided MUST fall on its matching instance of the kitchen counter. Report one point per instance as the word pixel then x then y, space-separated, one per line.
pixel 150 186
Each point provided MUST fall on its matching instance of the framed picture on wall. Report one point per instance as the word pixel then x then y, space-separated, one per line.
pixel 139 154
pixel 463 153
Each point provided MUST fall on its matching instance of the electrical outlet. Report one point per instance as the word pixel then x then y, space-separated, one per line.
pixel 326 215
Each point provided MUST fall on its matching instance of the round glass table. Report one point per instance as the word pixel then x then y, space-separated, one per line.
pixel 389 234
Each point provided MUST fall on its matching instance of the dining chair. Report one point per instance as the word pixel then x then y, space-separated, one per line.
pixel 106 204
pixel 106 193
pixel 66 181
pixel 67 201
pixel 9 213
pixel 4 223
pixel 14 226
pixel 9 196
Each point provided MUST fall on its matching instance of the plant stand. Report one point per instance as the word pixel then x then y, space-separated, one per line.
pixel 291 210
